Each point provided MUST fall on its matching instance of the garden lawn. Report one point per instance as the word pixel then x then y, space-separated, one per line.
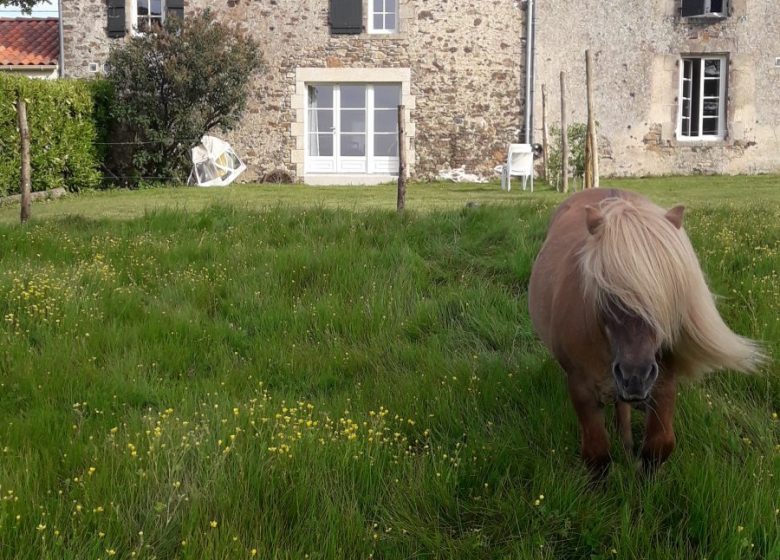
pixel 290 372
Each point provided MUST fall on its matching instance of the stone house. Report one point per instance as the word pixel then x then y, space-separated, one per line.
pixel 325 108
pixel 681 86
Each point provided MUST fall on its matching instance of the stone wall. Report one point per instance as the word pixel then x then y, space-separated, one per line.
pixel 84 37
pixel 465 57
pixel 637 48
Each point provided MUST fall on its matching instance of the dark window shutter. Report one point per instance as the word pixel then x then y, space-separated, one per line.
pixel 116 18
pixel 346 17
pixel 692 8
pixel 175 8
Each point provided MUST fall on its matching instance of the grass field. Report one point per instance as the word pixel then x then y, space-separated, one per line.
pixel 290 372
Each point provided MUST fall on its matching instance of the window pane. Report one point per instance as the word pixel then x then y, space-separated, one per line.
pixel 378 22
pixel 321 120
pixel 321 145
pixel 716 6
pixel 696 87
pixel 378 6
pixel 687 68
pixel 390 22
pixel 709 126
pixel 686 108
pixel 386 120
pixel 711 88
pixel 687 89
pixel 353 145
pixel 386 145
pixel 156 7
pixel 143 7
pixel 353 121
pixel 390 6
pixel 686 127
pixel 710 108
pixel 353 96
pixel 320 96
pixel 387 97
pixel 712 68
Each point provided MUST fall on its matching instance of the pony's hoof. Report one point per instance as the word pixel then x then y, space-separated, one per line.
pixel 598 468
pixel 648 467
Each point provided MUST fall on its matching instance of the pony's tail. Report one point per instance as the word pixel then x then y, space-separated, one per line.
pixel 705 342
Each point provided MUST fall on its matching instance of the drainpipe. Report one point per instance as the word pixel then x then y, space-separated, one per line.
pixel 62 40
pixel 529 72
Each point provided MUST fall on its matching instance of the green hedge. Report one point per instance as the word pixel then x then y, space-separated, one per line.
pixel 63 134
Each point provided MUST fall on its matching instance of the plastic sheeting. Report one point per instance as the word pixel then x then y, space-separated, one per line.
pixel 214 163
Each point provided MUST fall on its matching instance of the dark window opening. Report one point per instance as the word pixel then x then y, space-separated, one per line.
pixel 704 8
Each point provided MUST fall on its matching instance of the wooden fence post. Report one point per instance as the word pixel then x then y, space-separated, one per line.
pixel 401 204
pixel 592 148
pixel 24 133
pixel 564 138
pixel 545 132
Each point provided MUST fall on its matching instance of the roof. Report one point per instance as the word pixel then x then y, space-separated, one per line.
pixel 29 41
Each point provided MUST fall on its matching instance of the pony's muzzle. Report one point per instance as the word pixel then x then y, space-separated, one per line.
pixel 634 382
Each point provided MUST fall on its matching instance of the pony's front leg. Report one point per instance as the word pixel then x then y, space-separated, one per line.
pixel 659 430
pixel 590 413
pixel 623 423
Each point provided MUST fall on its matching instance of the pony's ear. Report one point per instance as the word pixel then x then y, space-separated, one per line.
pixel 675 216
pixel 594 218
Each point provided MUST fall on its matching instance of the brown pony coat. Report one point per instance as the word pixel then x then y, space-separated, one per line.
pixel 606 244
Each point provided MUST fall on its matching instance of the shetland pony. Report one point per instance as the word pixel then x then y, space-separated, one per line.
pixel 618 297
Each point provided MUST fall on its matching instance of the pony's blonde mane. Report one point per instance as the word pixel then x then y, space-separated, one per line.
pixel 638 259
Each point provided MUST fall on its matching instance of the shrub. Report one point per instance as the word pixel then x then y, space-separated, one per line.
pixel 577 135
pixel 62 134
pixel 103 99
pixel 176 84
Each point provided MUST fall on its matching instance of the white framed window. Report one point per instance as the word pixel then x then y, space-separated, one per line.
pixel 383 16
pixel 147 14
pixel 702 98
pixel 352 128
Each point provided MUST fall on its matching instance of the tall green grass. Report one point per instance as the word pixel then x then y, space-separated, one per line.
pixel 305 382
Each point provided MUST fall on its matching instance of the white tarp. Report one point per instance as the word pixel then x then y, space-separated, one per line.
pixel 214 163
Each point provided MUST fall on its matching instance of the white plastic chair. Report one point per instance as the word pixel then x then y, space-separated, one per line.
pixel 520 163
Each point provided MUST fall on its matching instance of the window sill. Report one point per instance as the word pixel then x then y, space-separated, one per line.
pixel 368 36
pixel 395 36
pixel 702 142
pixel 135 32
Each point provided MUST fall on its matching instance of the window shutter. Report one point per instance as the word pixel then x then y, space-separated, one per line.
pixel 116 18
pixel 346 17
pixel 692 8
pixel 175 8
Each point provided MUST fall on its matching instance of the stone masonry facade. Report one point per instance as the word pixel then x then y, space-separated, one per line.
pixel 637 48
pixel 464 58
pixel 465 88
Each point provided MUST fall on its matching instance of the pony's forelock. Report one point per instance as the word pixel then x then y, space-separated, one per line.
pixel 637 259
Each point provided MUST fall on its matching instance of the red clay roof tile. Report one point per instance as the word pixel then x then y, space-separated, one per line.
pixel 29 41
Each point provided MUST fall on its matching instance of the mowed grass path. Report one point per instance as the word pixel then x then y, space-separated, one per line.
pixel 221 375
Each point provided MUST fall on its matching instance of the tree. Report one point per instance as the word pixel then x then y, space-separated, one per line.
pixel 25 5
pixel 177 83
